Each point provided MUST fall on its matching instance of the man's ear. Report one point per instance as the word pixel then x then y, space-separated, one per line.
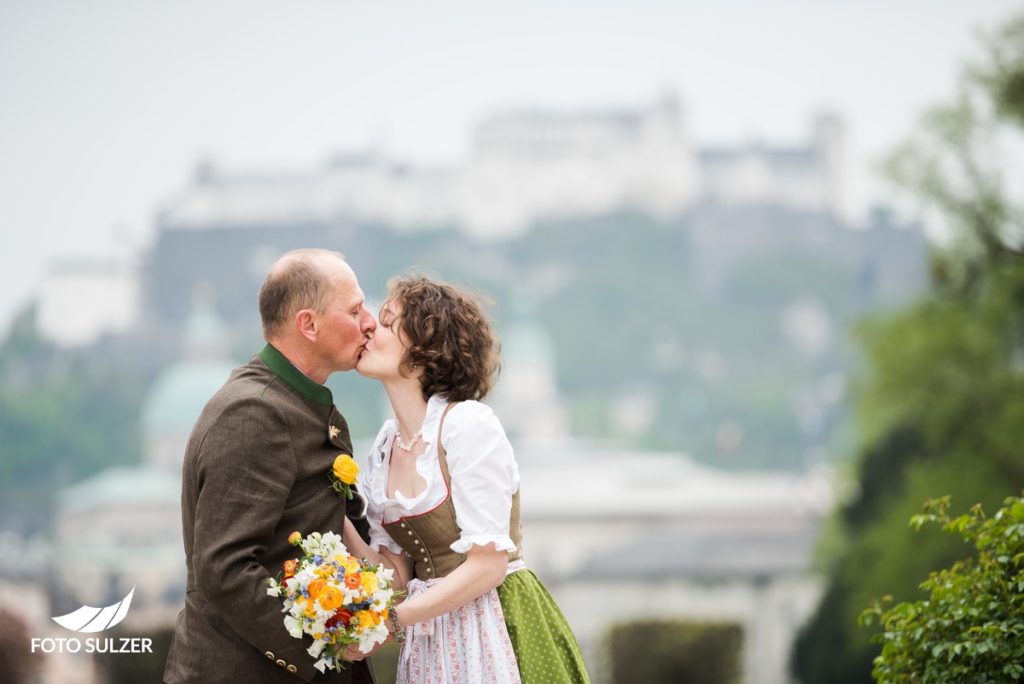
pixel 306 323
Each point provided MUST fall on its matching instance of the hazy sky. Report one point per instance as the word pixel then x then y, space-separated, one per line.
pixel 106 105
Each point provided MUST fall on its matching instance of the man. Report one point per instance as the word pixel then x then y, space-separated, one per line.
pixel 256 468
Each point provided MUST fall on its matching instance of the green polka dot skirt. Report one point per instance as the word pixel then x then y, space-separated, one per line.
pixel 545 647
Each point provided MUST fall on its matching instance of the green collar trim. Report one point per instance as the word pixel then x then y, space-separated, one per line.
pixel 295 378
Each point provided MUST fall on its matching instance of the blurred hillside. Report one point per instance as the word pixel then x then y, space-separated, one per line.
pixel 719 333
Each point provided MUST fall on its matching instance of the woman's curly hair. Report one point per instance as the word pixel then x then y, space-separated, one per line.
pixel 449 336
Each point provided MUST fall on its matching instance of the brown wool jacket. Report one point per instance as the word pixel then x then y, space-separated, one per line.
pixel 256 468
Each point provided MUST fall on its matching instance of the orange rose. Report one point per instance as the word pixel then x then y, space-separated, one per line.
pixel 330 598
pixel 315 587
pixel 290 566
pixel 346 469
pixel 353 581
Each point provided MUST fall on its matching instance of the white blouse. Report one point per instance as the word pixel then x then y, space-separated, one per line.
pixel 483 471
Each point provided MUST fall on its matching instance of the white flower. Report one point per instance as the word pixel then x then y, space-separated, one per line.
pixel 377 634
pixel 317 648
pixel 293 626
pixel 332 544
pixel 381 599
pixel 320 665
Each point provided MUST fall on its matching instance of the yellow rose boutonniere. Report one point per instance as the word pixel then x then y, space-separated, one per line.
pixel 343 474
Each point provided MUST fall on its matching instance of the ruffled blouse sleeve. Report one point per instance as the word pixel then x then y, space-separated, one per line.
pixel 484 476
pixel 373 486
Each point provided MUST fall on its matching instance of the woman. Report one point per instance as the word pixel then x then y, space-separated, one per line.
pixel 442 488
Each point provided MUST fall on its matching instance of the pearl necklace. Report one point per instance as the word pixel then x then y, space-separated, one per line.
pixel 407 446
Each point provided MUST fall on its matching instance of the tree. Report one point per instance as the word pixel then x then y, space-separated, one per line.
pixel 941 396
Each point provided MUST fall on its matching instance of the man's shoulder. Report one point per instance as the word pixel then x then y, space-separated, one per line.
pixel 250 388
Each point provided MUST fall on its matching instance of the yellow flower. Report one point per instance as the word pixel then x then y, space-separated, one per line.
pixel 367 618
pixel 346 469
pixel 330 598
pixel 294 538
pixel 350 563
pixel 344 560
pixel 369 582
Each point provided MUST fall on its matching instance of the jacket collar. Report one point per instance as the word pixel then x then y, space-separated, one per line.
pixel 294 378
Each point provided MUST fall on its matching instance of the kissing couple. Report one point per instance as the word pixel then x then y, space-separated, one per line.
pixel 438 504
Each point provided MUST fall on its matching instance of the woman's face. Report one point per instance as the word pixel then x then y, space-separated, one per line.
pixel 386 347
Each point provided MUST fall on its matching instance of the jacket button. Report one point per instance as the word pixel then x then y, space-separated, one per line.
pixel 269 655
pixel 292 669
pixel 281 663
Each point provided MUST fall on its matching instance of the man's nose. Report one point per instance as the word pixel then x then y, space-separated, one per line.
pixel 369 322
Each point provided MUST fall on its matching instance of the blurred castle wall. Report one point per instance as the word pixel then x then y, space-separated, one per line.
pixel 524 167
pixel 530 165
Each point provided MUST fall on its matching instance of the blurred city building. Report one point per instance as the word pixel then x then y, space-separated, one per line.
pixel 618 535
pixel 625 535
pixel 83 299
pixel 122 527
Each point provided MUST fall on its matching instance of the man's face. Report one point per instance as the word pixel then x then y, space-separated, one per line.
pixel 345 323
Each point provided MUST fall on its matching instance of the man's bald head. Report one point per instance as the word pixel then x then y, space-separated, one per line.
pixel 301 279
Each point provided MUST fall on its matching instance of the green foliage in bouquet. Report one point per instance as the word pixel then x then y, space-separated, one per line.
pixel 971 627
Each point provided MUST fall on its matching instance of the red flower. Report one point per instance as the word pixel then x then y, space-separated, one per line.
pixel 342 617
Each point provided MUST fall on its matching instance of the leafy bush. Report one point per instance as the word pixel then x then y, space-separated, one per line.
pixel 675 652
pixel 971 628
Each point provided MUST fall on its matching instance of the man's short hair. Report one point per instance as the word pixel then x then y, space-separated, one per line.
pixel 295 282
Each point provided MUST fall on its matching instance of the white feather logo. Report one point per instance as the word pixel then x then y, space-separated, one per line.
pixel 88 619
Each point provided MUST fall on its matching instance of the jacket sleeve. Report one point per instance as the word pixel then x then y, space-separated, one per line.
pixel 246 469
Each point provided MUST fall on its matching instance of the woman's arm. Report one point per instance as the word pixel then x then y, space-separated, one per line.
pixel 400 563
pixel 483 570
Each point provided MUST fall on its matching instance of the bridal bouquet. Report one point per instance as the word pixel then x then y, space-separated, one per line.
pixel 334 597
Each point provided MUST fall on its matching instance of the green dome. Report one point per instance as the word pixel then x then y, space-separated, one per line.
pixel 179 394
pixel 120 486
pixel 527 344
